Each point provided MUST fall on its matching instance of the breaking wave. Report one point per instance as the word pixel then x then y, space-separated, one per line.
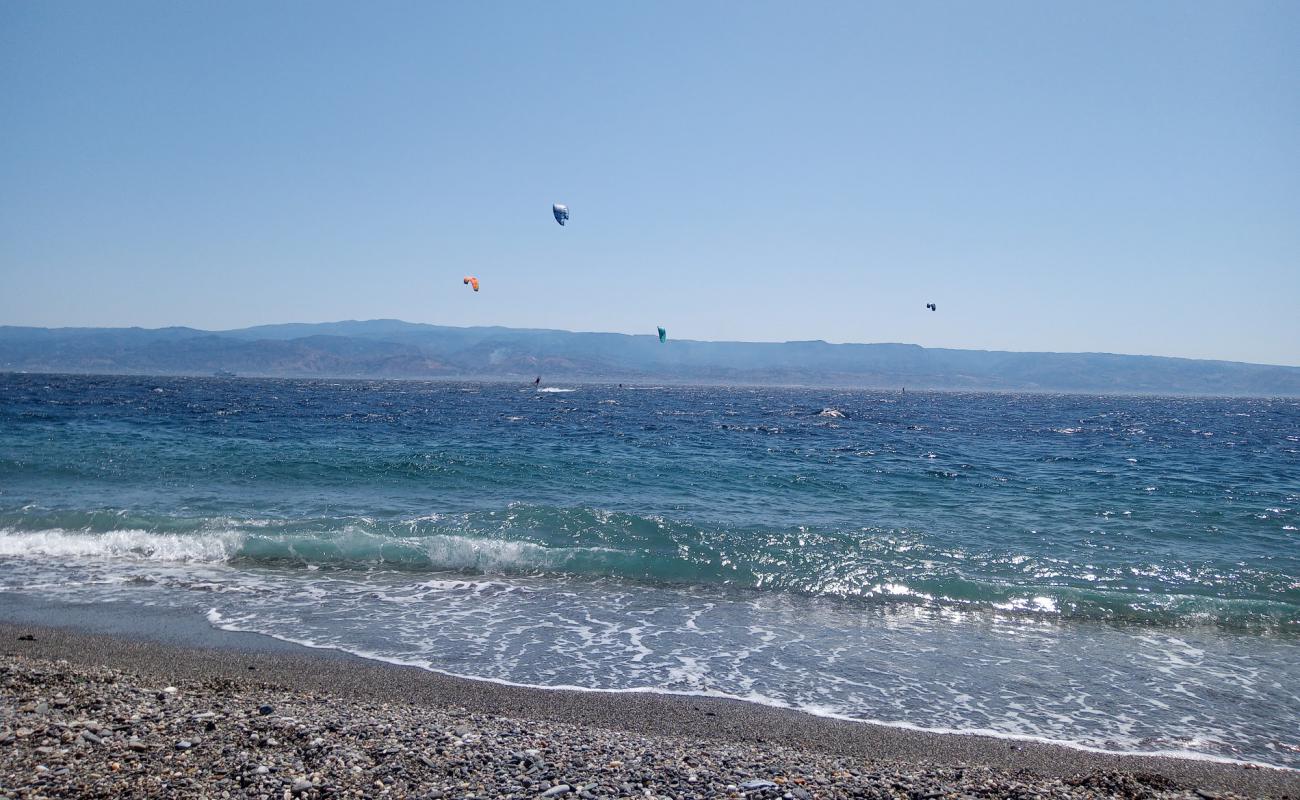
pixel 209 548
pixel 868 566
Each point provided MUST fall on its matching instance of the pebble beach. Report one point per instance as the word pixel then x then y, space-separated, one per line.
pixel 176 722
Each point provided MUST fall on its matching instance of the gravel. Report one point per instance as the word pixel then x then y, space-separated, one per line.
pixel 69 730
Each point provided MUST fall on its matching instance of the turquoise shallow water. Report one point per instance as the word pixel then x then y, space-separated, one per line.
pixel 1120 573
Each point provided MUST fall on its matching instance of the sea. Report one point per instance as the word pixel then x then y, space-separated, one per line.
pixel 1111 573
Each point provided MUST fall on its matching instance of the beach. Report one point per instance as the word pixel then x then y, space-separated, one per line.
pixel 609 400
pixel 154 704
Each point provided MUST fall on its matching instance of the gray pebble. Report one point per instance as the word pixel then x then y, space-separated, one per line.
pixel 356 748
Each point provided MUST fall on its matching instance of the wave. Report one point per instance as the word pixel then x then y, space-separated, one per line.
pixel 868 566
pixel 208 548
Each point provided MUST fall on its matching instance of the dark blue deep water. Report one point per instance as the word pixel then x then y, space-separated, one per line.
pixel 1114 572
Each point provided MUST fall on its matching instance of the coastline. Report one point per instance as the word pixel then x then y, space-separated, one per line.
pixel 171 648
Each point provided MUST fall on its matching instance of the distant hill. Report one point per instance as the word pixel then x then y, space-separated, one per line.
pixel 395 349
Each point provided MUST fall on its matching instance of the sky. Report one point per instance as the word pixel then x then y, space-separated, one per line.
pixel 1075 176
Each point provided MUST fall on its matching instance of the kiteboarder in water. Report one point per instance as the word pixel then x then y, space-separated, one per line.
pixel 537 381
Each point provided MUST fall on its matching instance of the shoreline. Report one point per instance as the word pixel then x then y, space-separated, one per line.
pixel 1181 755
pixel 175 647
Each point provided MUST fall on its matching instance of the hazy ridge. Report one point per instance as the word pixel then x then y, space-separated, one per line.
pixel 396 349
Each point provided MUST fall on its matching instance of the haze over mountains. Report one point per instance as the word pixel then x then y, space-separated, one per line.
pixel 395 349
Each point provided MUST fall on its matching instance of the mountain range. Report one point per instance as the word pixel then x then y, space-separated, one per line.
pixel 396 349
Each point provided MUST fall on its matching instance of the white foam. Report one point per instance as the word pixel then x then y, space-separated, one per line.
pixel 208 548
pixel 449 551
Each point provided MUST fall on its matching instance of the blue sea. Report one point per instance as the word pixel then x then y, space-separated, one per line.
pixel 1118 573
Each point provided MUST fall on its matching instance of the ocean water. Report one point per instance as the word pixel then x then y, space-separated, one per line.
pixel 1117 573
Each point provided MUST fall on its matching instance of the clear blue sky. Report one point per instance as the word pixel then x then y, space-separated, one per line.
pixel 1111 176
